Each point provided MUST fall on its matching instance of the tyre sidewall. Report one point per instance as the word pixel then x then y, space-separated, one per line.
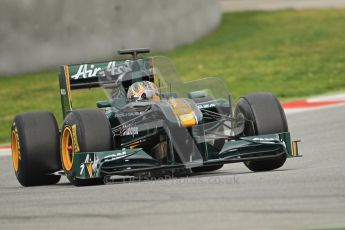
pixel 268 117
pixel 92 133
pixel 36 163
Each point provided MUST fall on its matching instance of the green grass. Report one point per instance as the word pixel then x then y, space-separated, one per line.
pixel 290 53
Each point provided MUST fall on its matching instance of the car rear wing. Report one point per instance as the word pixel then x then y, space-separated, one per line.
pixel 79 76
pixel 86 76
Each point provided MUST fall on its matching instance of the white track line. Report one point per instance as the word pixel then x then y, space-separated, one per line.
pixel 340 97
pixel 5 152
pixel 326 98
pixel 302 110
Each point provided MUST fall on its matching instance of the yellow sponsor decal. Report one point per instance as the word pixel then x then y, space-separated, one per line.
pixel 89 169
pixel 187 120
pixel 294 149
pixel 68 85
pixel 75 138
pixel 183 111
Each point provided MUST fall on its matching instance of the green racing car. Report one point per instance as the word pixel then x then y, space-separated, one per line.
pixel 151 124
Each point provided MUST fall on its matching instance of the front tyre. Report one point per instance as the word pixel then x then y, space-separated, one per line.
pixel 268 117
pixel 87 130
pixel 35 148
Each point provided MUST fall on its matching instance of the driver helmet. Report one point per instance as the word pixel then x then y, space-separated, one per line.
pixel 142 90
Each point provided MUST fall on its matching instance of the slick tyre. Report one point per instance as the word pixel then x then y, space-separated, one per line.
pixel 267 116
pixel 84 131
pixel 35 148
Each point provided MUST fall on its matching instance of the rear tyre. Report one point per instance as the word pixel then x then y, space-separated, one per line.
pixel 268 117
pixel 84 131
pixel 35 148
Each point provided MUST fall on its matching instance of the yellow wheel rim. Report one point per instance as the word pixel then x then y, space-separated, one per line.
pixel 67 149
pixel 15 150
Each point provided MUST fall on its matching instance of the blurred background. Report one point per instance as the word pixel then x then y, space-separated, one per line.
pixel 292 48
pixel 40 35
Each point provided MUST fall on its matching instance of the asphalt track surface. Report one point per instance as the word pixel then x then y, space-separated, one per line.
pixel 306 193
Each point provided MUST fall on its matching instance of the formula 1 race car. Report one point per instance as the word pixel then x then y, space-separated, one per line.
pixel 151 124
